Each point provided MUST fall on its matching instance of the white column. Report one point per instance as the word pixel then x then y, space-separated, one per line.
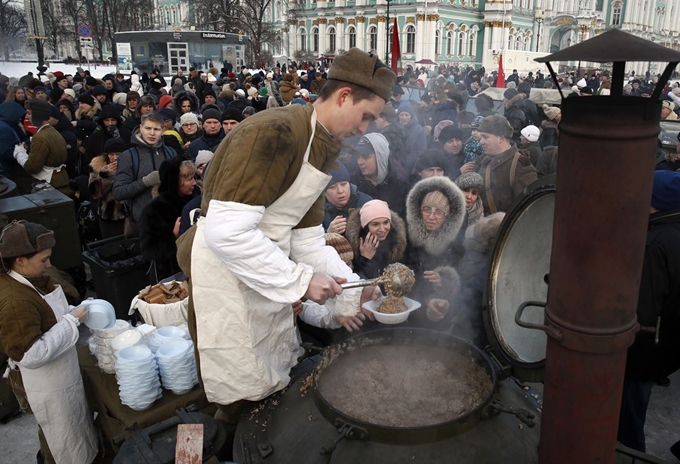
pixel 340 36
pixel 323 38
pixel 421 38
pixel 361 35
pixel 382 43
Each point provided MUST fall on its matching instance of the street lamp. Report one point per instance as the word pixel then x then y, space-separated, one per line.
pixel 539 20
pixel 387 34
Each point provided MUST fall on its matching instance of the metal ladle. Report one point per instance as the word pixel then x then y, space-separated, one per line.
pixel 397 278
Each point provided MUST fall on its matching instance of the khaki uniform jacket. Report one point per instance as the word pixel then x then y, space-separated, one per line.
pixel 504 193
pixel 48 148
pixel 259 160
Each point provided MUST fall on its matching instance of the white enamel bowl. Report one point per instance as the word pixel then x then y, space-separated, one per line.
pixel 398 318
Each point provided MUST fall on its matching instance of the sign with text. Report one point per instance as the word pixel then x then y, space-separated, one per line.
pixel 213 35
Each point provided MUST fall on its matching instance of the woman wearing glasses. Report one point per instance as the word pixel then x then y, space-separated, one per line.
pixel 435 214
pixel 377 236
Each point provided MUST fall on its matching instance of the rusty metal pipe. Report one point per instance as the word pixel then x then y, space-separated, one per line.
pixel 602 205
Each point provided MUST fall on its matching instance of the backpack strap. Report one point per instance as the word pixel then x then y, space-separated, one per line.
pixel 513 168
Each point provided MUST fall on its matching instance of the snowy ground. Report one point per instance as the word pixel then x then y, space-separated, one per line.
pixel 16 69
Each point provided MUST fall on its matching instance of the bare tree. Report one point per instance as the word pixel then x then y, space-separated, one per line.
pixel 218 15
pixel 259 28
pixel 73 13
pixel 124 15
pixel 12 26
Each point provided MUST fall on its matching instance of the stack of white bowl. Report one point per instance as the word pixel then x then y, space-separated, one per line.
pixel 165 334
pixel 177 364
pixel 100 345
pixel 137 375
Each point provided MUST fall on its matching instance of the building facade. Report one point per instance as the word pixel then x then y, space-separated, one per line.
pixel 475 32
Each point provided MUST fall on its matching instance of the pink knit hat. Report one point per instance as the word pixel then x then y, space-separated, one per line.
pixel 372 210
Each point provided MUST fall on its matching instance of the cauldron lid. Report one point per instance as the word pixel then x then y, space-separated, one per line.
pixel 518 272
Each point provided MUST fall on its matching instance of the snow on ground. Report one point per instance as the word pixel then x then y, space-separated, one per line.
pixel 18 69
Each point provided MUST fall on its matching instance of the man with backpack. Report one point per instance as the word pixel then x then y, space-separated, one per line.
pixel 137 171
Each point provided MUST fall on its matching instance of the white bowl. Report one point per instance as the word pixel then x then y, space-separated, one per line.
pixel 118 328
pixel 134 353
pixel 176 348
pixel 170 332
pixel 126 339
pixel 398 318
pixel 100 315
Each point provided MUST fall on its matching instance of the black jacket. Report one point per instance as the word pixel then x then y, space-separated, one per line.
pixel 392 190
pixel 659 297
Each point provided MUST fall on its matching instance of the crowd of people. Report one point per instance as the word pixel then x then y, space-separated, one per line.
pixel 245 207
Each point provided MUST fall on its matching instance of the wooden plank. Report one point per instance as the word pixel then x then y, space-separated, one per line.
pixel 189 444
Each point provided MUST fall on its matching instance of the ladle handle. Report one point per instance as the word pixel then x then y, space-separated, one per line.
pixel 360 283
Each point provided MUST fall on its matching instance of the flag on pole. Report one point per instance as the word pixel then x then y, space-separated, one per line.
pixel 396 49
pixel 500 80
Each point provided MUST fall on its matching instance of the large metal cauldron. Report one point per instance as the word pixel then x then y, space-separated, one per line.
pixel 439 346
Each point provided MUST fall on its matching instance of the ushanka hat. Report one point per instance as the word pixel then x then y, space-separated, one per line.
pixel 470 180
pixel 21 238
pixel 497 125
pixel 40 109
pixel 363 69
pixel 341 245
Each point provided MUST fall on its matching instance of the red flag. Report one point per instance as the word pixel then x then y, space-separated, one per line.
pixel 396 49
pixel 500 81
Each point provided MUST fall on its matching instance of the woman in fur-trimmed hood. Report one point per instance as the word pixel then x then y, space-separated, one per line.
pixel 373 252
pixel 435 214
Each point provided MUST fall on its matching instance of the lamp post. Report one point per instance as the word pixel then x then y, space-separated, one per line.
pixel 539 20
pixel 387 34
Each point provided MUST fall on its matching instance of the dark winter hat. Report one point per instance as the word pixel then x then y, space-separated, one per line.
pixel 87 99
pixel 114 145
pixel 338 174
pixel 91 81
pixel 60 77
pixel 168 114
pixel 21 238
pixel 364 69
pixel 99 90
pixel 208 92
pixel 451 132
pixel 586 89
pixel 470 180
pixel 397 90
pixel 510 93
pixel 110 111
pixel 666 190
pixel 54 112
pixel 211 113
pixel 56 94
pixel 40 110
pixel 483 102
pixel 430 159
pixel 496 125
pixel 232 114
pixel 476 122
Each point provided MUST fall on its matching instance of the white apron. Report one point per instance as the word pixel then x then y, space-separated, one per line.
pixel 247 343
pixel 57 397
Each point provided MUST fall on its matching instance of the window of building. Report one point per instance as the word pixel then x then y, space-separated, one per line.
pixel 511 41
pixel 518 42
pixel 303 39
pixel 410 39
pixel 472 44
pixel 352 34
pixel 616 14
pixel 449 43
pixel 174 15
pixel 331 39
pixel 437 41
pixel 315 39
pixel 373 38
pixel 461 43
pixel 390 35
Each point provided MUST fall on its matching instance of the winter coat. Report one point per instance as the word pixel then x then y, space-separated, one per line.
pixel 391 250
pixel 445 111
pixel 206 142
pixel 504 190
pixel 99 186
pixel 11 113
pixel 158 218
pixel 287 90
pixel 130 188
pixel 516 116
pixel 416 140
pixel 240 104
pixel 48 149
pixel 396 137
pixel 96 142
pixel 183 95
pixel 86 123
pixel 532 113
pixel 547 163
pixel 317 85
pixel 549 134
pixel 671 163
pixel 534 149
pixel 440 250
pixel 472 150
pixel 392 190
pixel 659 297
pixel 357 199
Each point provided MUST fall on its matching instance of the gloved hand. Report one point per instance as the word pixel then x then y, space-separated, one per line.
pixel 20 154
pixel 151 179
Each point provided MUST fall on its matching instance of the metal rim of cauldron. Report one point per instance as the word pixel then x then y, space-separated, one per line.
pixel 412 435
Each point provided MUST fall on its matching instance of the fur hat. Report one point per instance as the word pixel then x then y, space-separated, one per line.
pixel 436 200
pixel 551 112
pixel 430 159
pixel 668 104
pixel 211 113
pixel 188 117
pixel 452 132
pixel 439 127
pixel 364 69
pixel 204 157
pixel 510 93
pixel 372 210
pixel 232 114
pixel 531 133
pixel 470 180
pixel 341 245
pixel 486 229
pixel 40 110
pixel 666 190
pixel 497 125
pixel 87 99
pixel 21 238
pixel 114 145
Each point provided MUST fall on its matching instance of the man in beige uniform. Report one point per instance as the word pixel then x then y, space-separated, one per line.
pixel 260 246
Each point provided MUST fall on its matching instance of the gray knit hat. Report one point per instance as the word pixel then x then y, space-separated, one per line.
pixel 21 238
pixel 470 180
pixel 496 125
pixel 364 69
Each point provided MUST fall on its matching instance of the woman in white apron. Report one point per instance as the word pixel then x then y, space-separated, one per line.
pixel 39 331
